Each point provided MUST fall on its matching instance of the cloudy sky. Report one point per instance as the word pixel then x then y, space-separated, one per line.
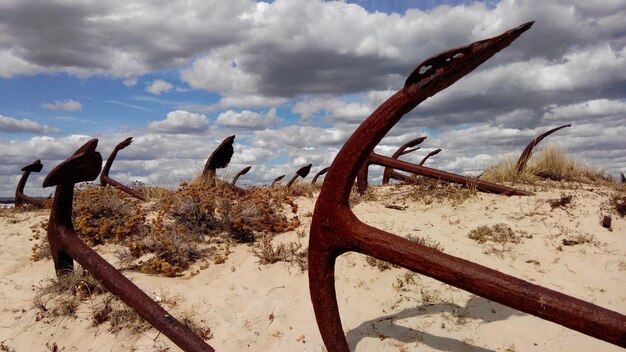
pixel 292 79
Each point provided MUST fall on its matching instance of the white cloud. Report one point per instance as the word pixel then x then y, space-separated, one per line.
pixel 181 122
pixel 159 86
pixel 247 119
pixel 66 105
pixel 13 125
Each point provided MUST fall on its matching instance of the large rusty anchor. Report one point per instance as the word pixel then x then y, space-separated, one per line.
pixel 66 247
pixel 20 197
pixel 106 180
pixel 336 230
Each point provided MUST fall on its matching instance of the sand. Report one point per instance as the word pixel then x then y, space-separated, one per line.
pixel 254 307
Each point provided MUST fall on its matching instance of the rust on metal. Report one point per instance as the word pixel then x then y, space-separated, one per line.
pixel 403 150
pixel 467 181
pixel 106 180
pixel 523 159
pixel 20 197
pixel 320 173
pixel 239 174
pixel 302 172
pixel 66 247
pixel 336 230
pixel 434 152
pixel 220 158
pixel 277 179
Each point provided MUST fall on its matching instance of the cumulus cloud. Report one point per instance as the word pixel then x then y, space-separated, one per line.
pixel 181 122
pixel 247 119
pixel 66 105
pixel 159 86
pixel 331 64
pixel 13 125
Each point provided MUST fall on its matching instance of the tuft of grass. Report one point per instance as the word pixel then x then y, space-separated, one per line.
pixel 291 252
pixel 498 233
pixel 303 189
pixel 62 296
pixel 430 191
pixel 551 159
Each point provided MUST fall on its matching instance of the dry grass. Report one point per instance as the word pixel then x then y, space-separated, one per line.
pixel 550 159
pixel 63 296
pixel 291 252
pixel 498 233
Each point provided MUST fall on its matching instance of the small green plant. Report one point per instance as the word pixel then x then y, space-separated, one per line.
pixel 425 241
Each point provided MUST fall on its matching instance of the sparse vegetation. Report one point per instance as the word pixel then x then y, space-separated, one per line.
pixel 551 159
pixel 561 202
pixel 500 235
pixel 291 252
pixel 62 296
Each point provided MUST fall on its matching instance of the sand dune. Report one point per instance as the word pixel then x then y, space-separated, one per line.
pixel 254 307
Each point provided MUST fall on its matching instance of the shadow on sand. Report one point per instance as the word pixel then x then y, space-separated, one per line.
pixel 477 308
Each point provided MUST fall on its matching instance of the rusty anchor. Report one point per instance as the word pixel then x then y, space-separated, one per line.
pixel 66 247
pixel 336 230
pixel 20 197
pixel 378 159
pixel 106 180
pixel 220 158
pixel 239 174
pixel 432 153
pixel 528 151
pixel 320 173
pixel 302 172
pixel 277 180
pixel 387 173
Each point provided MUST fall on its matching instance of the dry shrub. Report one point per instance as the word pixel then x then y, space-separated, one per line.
pixel 209 211
pixel 303 189
pixel 41 248
pixel 106 215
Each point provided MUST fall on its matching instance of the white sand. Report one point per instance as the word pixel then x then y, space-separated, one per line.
pixel 237 299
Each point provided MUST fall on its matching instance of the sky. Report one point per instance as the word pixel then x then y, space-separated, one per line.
pixel 292 79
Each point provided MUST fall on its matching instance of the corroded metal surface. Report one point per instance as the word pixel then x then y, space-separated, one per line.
pixel 277 179
pixel 239 174
pixel 523 159
pixel 20 197
pixel 220 158
pixel 302 172
pixel 336 230
pixel 106 180
pixel 432 153
pixel 66 247
pixel 403 150
pixel 320 173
